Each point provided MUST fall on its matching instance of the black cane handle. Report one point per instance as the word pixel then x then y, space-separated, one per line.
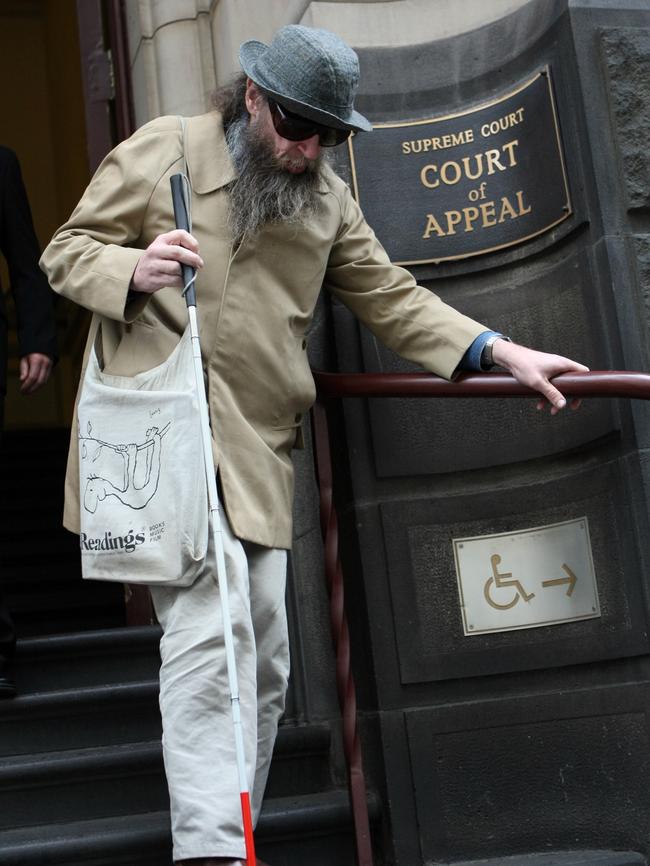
pixel 181 217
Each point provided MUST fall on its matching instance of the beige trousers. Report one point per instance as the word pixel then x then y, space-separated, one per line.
pixel 198 741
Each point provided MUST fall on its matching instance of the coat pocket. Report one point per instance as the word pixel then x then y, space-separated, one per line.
pixel 300 390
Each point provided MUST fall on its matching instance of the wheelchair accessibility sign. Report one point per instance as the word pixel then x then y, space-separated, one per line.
pixel 526 579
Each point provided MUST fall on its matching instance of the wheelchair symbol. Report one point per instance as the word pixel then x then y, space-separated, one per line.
pixel 501 580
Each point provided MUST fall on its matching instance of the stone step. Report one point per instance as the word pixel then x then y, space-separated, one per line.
pixel 120 841
pixel 86 717
pixel 19 573
pixel 91 617
pixel 301 760
pixel 58 606
pixel 128 778
pixel 67 612
pixel 312 829
pixel 18 513
pixel 91 658
pixel 33 545
pixel 61 595
pixel 315 830
pixel 82 784
pixel 562 858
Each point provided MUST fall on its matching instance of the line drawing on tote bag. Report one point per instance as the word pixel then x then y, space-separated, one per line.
pixel 135 492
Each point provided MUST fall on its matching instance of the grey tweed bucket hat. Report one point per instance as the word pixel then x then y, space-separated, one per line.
pixel 311 72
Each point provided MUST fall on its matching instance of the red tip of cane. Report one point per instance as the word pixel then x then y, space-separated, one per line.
pixel 251 860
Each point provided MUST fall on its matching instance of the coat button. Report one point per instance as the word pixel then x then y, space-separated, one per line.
pixel 298 417
pixel 304 344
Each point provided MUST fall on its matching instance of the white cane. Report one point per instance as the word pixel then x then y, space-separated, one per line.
pixel 182 216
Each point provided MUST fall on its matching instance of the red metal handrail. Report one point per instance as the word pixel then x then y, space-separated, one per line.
pixel 602 383
pixel 598 383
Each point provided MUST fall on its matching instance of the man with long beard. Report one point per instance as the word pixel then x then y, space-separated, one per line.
pixel 272 224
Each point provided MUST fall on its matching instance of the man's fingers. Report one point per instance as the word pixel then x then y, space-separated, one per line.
pixel 536 370
pixel 179 245
pixel 163 280
pixel 574 403
pixel 554 397
pixel 29 383
pixel 180 237
pixel 168 266
pixel 573 366
pixel 158 267
pixel 34 372
pixel 168 274
pixel 153 273
pixel 39 380
pixel 180 254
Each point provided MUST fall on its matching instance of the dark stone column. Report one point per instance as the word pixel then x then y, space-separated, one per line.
pixel 532 740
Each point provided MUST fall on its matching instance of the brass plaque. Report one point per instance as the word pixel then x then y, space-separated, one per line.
pixel 526 579
pixel 464 184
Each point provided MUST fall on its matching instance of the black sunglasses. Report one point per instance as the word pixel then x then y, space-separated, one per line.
pixel 295 128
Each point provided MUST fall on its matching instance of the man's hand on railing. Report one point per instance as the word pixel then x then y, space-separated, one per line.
pixel 534 369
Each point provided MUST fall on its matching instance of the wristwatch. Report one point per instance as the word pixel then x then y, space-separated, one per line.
pixel 487 361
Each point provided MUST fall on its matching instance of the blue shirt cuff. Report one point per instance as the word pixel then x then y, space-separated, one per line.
pixel 471 360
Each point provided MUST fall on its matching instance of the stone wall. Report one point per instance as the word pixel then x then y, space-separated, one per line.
pixel 206 35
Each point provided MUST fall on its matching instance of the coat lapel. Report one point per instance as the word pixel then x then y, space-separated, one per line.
pixel 208 159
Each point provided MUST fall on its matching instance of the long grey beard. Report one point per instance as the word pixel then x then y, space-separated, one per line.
pixel 264 191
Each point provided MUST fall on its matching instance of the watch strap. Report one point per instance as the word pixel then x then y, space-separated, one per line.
pixel 487 360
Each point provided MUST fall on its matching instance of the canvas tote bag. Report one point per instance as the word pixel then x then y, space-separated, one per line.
pixel 143 493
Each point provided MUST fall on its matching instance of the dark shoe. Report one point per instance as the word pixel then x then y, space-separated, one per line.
pixel 7 686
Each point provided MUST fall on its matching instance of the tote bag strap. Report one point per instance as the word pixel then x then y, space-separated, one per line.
pixel 98 342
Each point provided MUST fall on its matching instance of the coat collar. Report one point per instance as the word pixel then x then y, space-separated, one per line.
pixel 208 158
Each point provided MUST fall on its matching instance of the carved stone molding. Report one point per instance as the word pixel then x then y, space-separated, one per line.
pixel 626 54
pixel 642 245
pixel 172 56
pixel 408 22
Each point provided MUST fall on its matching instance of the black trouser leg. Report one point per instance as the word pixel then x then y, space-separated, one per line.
pixel 7 632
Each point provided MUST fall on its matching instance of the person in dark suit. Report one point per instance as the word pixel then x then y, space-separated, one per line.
pixel 36 331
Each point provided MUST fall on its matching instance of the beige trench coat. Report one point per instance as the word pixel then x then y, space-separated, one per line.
pixel 255 306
